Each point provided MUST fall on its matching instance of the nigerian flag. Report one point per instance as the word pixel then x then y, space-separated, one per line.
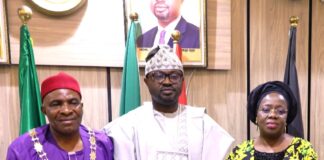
pixel 29 92
pixel 130 94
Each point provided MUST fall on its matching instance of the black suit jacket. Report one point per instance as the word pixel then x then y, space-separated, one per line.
pixel 189 36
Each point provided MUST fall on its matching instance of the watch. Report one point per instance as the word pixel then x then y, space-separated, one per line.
pixel 57 7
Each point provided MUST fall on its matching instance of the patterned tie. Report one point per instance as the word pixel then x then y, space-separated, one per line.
pixel 162 34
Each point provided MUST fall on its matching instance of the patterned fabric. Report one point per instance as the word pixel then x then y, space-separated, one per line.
pixel 165 58
pixel 179 150
pixel 182 132
pixel 299 149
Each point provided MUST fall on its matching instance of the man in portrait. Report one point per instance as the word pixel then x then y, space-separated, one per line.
pixel 169 18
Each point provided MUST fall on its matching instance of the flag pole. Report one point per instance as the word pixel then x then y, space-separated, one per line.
pixel 176 35
pixel 294 21
pixel 295 128
pixel 25 14
pixel 133 16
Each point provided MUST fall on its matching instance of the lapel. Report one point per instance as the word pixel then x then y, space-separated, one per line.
pixel 150 37
pixel 181 27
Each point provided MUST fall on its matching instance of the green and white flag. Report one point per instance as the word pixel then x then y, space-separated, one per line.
pixel 130 94
pixel 29 92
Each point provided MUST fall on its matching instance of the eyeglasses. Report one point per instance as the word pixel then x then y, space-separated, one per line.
pixel 174 77
pixel 277 111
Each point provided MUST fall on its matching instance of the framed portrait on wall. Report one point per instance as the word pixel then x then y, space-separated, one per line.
pixel 4 51
pixel 158 19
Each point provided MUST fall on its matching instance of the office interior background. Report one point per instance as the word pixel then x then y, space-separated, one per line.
pixel 259 45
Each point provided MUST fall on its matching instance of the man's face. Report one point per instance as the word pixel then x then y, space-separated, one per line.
pixel 64 110
pixel 165 86
pixel 166 10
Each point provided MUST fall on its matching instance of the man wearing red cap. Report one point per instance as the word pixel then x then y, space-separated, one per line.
pixel 64 137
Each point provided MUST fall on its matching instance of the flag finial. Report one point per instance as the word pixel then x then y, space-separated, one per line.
pixel 25 14
pixel 176 36
pixel 133 16
pixel 294 21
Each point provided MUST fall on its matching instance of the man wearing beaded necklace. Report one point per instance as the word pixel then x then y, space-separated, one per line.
pixel 165 129
pixel 64 137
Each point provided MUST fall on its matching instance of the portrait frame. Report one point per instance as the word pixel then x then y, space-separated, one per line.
pixel 4 48
pixel 193 12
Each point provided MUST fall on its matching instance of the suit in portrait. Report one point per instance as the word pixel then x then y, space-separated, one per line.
pixel 189 36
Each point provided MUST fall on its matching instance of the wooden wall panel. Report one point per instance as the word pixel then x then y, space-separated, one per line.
pixel 269 44
pixel 317 79
pixel 219 17
pixel 93 82
pixel 115 78
pixel 223 93
pixel 92 36
pixel 9 121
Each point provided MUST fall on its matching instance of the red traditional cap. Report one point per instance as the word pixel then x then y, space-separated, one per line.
pixel 59 81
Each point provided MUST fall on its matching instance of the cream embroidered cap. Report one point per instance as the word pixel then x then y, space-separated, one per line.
pixel 162 58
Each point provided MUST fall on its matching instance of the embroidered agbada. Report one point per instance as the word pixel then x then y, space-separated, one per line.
pixel 146 134
pixel 23 147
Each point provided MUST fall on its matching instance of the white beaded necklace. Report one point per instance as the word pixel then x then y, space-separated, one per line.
pixel 42 154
